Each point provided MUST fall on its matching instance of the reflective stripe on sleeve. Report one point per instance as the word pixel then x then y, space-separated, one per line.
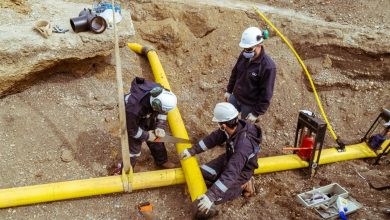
pixel 127 98
pixel 135 155
pixel 208 169
pixel 221 186
pixel 139 133
pixel 257 149
pixel 162 117
pixel 250 156
pixel 202 145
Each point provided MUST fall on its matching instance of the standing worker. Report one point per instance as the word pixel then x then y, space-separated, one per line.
pixel 147 106
pixel 230 174
pixel 251 83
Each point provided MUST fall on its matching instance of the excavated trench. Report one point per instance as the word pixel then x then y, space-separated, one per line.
pixel 69 121
pixel 75 67
pixel 351 68
pixel 356 63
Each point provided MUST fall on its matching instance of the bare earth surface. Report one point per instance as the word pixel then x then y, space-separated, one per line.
pixel 65 127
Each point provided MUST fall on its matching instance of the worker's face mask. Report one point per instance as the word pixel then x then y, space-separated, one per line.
pixel 249 52
pixel 249 55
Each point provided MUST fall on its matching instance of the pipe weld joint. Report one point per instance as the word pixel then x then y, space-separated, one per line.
pixel 145 50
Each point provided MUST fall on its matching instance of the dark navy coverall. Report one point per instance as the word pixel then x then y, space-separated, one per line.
pixel 140 118
pixel 235 167
pixel 252 82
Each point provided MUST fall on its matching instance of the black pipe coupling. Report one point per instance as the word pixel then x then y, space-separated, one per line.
pixel 87 20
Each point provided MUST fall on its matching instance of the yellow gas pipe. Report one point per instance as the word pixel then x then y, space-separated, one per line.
pixel 144 180
pixel 88 187
pixel 113 184
pixel 330 155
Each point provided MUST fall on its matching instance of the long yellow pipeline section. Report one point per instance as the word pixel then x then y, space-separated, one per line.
pixel 193 175
pixel 113 184
pixel 330 155
pixel 88 187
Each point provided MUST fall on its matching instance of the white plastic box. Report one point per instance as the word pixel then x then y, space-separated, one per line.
pixel 330 191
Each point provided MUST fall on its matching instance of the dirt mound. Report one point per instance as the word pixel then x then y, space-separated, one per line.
pixel 26 55
pixel 19 6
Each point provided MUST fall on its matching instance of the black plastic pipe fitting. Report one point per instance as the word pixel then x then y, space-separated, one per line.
pixel 87 20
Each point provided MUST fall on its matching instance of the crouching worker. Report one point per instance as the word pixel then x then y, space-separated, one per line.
pixel 375 142
pixel 147 106
pixel 230 174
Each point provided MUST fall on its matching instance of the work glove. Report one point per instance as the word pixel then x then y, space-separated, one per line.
pixel 204 204
pixel 185 154
pixel 227 96
pixel 251 118
pixel 159 132
pixel 152 135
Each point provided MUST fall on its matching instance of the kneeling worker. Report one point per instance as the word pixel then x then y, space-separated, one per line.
pixel 229 174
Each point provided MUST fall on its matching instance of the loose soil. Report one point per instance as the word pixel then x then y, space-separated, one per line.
pixel 65 127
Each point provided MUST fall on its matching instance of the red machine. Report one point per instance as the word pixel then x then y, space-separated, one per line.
pixel 309 138
pixel 306 147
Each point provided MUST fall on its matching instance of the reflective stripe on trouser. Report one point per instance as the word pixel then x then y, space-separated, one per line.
pixel 139 133
pixel 218 164
pixel 157 150
pixel 213 169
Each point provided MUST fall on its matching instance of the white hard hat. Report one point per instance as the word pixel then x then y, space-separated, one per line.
pixel 165 101
pixel 224 112
pixel 387 124
pixel 251 37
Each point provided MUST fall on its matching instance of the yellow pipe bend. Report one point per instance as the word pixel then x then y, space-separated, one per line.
pixel 193 175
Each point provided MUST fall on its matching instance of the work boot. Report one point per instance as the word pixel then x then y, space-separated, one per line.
pixel 167 165
pixel 117 170
pixel 249 188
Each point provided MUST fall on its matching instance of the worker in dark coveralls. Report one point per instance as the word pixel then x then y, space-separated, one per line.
pixel 251 83
pixel 147 106
pixel 230 174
